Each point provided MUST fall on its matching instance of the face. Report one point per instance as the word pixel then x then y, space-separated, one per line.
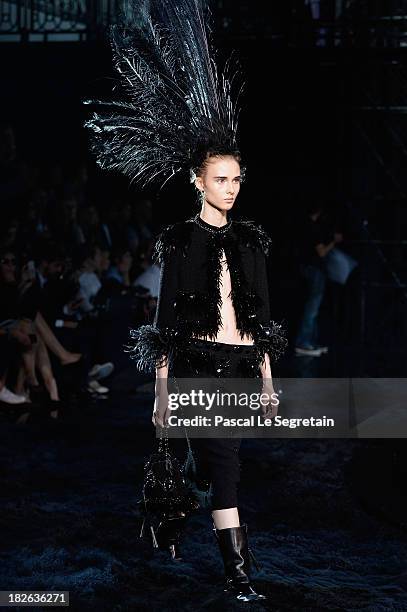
pixel 104 261
pixel 125 262
pixel 97 260
pixel 8 267
pixel 221 182
pixel 12 231
pixel 54 269
pixel 93 215
pixel 315 214
pixel 71 209
pixel 126 213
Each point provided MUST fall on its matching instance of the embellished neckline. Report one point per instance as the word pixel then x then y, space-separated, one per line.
pixel 214 229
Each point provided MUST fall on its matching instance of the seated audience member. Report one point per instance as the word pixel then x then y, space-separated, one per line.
pixel 59 289
pixel 91 225
pixel 124 232
pixel 142 219
pixel 150 277
pixel 92 264
pixel 8 354
pixel 120 270
pixel 17 318
pixel 65 226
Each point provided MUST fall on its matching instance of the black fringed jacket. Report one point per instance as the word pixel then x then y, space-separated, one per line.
pixel 189 253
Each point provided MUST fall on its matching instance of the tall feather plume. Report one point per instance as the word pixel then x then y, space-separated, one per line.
pixel 175 105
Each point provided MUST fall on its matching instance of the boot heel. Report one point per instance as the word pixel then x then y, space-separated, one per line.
pixel 155 543
pixel 257 565
pixel 168 536
pixel 143 533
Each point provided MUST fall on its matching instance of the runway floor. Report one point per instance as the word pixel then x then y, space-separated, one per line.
pixel 69 488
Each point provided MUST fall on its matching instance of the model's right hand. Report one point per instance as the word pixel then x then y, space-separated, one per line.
pixel 161 411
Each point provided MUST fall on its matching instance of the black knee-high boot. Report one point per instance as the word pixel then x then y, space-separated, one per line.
pixel 235 551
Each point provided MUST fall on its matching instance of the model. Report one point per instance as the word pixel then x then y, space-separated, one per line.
pixel 213 315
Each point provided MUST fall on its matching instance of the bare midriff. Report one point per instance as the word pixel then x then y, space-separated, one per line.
pixel 228 332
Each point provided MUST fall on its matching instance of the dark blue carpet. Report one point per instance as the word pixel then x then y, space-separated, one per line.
pixel 68 496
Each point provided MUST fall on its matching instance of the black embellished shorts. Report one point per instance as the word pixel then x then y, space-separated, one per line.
pixel 217 459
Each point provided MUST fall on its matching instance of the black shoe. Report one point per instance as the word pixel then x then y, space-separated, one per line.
pixel 37 392
pixel 236 555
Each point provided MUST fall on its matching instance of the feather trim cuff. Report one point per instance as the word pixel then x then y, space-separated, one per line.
pixel 149 347
pixel 272 340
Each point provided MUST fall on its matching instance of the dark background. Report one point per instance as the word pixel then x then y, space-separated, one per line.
pixel 317 123
pixel 324 119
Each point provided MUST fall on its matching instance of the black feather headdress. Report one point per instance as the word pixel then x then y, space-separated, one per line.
pixel 174 104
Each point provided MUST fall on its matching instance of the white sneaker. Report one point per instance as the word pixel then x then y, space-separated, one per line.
pixel 101 370
pixel 8 397
pixel 310 352
pixel 95 387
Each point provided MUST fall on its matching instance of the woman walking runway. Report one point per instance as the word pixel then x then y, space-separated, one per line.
pixel 213 313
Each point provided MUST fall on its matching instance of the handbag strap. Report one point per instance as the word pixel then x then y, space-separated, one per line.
pixel 185 431
pixel 163 445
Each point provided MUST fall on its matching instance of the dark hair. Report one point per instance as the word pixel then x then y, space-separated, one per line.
pixel 7 251
pixel 313 207
pixel 199 170
pixel 46 250
pixel 84 252
pixel 119 252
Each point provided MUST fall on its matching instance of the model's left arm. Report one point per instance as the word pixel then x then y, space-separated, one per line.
pixel 271 338
pixel 263 315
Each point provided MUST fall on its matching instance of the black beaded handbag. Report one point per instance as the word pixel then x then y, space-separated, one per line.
pixel 165 493
pixel 170 489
